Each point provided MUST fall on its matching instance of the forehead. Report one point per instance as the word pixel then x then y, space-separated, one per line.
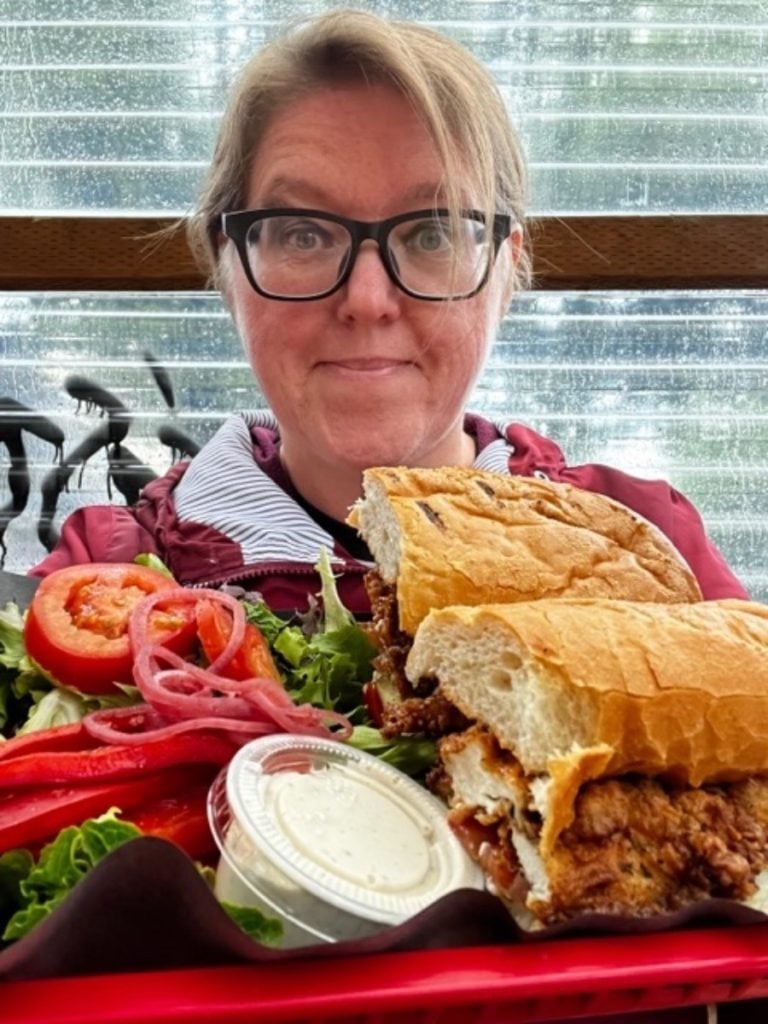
pixel 354 146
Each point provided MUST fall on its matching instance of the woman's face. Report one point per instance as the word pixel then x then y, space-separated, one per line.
pixel 366 376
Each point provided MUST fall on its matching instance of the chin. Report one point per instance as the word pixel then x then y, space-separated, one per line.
pixel 352 427
pixel 362 457
pixel 362 449
pixel 361 436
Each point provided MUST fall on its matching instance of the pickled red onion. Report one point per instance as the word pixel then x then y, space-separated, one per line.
pixel 181 696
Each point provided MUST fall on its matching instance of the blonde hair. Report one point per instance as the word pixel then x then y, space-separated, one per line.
pixel 456 97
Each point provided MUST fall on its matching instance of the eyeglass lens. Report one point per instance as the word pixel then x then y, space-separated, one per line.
pixel 300 256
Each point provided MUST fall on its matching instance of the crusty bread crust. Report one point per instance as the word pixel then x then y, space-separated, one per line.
pixel 462 536
pixel 673 690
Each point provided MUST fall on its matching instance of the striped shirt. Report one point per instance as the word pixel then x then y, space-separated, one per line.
pixel 225 488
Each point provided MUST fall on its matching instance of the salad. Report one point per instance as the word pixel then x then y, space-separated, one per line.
pixel 122 695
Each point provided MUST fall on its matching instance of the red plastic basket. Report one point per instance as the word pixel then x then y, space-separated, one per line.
pixel 565 979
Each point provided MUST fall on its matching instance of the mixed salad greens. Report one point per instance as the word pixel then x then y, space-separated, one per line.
pixel 22 685
pixel 323 658
pixel 31 888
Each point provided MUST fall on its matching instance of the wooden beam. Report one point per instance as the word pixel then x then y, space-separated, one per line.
pixel 596 252
pixel 95 253
pixel 675 251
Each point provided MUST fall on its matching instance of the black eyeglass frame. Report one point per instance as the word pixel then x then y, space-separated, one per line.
pixel 236 225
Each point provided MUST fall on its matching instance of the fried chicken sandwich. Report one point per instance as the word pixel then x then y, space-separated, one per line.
pixel 617 760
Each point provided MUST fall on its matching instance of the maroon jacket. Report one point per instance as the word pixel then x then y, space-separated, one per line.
pixel 232 515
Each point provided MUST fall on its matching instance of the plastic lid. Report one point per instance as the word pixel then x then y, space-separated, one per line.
pixel 346 826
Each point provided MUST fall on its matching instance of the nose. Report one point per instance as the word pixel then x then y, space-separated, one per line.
pixel 369 295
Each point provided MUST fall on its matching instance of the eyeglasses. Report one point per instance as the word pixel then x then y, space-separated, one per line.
pixel 297 255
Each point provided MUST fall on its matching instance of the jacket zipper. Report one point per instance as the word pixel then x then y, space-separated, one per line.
pixel 292 570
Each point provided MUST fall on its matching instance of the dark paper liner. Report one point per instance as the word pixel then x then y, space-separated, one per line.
pixel 145 907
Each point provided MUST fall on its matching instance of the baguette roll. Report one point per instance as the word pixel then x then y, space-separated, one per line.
pixel 462 536
pixel 677 690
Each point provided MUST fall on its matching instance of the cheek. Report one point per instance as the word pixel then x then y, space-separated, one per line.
pixel 279 366
pixel 462 335
pixel 249 311
pixel 250 330
pixel 252 326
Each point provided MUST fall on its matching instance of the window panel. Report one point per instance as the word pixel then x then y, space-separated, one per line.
pixel 120 138
pixel 623 107
pixel 665 385
pixel 142 92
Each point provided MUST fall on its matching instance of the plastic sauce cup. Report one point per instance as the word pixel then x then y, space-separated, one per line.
pixel 331 840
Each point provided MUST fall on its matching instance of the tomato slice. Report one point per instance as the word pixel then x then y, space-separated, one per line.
pixel 76 628
pixel 252 661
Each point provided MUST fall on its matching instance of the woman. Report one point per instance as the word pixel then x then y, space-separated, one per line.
pixel 363 217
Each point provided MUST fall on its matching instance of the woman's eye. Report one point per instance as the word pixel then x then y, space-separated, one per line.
pixel 430 237
pixel 305 237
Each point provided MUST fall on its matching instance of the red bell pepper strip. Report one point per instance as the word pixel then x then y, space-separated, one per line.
pixel 182 819
pixel 374 705
pixel 39 814
pixel 252 661
pixel 60 737
pixel 114 761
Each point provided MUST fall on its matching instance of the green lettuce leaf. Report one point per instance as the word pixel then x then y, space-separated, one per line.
pixel 12 650
pixel 333 670
pixel 271 625
pixel 22 685
pixel 57 707
pixel 64 705
pixel 61 865
pixel 326 661
pixel 266 930
pixel 30 890
pixel 153 562
pixel 15 865
pixel 413 755
pixel 326 669
pixel 336 616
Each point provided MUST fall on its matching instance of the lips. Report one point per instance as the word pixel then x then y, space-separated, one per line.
pixel 372 366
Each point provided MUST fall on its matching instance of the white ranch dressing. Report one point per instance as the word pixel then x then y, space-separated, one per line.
pixel 352 828
pixel 333 840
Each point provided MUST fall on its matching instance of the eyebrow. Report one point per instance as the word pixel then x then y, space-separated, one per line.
pixel 285 191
